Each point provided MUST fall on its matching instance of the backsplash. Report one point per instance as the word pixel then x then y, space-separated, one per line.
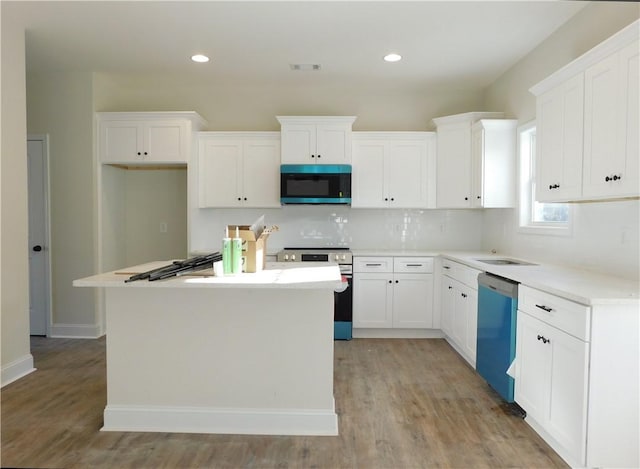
pixel 320 226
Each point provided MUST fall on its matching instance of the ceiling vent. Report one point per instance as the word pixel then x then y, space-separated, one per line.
pixel 305 67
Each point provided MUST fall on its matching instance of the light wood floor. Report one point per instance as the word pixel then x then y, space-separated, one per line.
pixel 401 404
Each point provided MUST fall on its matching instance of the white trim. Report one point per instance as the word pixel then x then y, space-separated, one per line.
pixel 220 420
pixel 375 333
pixel 76 331
pixel 17 369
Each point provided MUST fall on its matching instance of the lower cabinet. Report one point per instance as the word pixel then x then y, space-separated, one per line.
pixel 393 292
pixel 552 381
pixel 459 308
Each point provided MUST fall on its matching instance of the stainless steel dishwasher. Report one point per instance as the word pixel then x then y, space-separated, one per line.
pixel 496 342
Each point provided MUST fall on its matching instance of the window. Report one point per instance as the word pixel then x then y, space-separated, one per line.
pixel 536 217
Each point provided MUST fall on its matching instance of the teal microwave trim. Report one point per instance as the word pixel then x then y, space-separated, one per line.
pixel 315 169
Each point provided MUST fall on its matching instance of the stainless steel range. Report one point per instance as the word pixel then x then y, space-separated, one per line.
pixel 343 300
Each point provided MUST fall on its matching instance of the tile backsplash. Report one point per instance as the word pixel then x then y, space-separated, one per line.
pixel 322 226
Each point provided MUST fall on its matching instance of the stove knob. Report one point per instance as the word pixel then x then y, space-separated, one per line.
pixel 344 257
pixel 286 257
pixel 293 257
pixel 337 257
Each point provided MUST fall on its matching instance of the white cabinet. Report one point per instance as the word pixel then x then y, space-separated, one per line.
pixel 393 292
pixel 611 126
pixel 552 367
pixel 464 165
pixel 493 163
pixel 393 169
pixel 316 139
pixel 459 307
pixel 146 137
pixel 238 169
pixel 559 136
pixel 587 124
pixel 577 377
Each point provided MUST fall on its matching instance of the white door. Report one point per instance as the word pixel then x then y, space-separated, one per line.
pixel 39 283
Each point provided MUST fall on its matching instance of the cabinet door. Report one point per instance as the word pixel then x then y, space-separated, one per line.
pixel 261 173
pixel 368 179
pixel 471 316
pixel 559 145
pixel 611 121
pixel 333 144
pixel 372 300
pixel 406 169
pixel 219 173
pixel 165 142
pixel 532 367
pixel 477 166
pixel 298 144
pixel 447 305
pixel 413 301
pixel 121 142
pixel 454 166
pixel 567 408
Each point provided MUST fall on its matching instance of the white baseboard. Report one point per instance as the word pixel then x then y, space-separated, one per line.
pixel 374 333
pixel 17 369
pixel 75 331
pixel 222 421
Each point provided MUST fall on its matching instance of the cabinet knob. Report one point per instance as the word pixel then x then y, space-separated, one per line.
pixel 478 197
pixel 617 177
pixel 313 156
pixel 466 198
pixel 543 339
pixel 392 199
pixel 396 281
pixel 464 295
pixel 145 153
pixel 37 248
pixel 390 281
pixel 450 287
pixel 386 199
pixel 239 198
pixel 607 179
pixel 319 156
pixel 245 198
pixel 139 153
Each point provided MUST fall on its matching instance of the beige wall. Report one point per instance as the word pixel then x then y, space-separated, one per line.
pixel 61 105
pixel 14 320
pixel 605 234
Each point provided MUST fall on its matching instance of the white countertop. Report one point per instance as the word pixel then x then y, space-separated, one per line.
pixel 579 285
pixel 276 275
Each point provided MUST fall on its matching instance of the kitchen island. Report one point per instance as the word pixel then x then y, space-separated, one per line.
pixel 246 354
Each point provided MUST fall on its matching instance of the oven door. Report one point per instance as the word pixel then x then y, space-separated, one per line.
pixel 343 311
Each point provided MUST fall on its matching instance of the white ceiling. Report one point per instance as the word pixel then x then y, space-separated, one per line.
pixel 464 44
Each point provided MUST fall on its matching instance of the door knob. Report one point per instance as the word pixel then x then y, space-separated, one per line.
pixel 37 248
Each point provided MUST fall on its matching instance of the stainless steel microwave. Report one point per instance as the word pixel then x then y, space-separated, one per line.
pixel 315 184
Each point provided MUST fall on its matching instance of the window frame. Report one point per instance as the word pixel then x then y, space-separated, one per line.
pixel 526 189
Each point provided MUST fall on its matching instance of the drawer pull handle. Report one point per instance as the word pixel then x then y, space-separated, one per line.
pixel 543 339
pixel 373 265
pixel 446 267
pixel 414 265
pixel 545 308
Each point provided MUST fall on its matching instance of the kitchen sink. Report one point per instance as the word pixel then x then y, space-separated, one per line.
pixel 504 261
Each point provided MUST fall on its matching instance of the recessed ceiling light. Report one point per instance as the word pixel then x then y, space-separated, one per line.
pixel 200 58
pixel 305 67
pixel 392 57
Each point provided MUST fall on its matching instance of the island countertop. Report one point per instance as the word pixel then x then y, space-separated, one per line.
pixel 277 275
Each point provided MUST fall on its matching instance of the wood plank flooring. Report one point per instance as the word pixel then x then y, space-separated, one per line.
pixel 401 404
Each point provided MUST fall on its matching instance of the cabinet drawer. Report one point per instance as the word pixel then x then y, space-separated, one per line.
pixel 460 272
pixel 413 264
pixel 373 264
pixel 563 314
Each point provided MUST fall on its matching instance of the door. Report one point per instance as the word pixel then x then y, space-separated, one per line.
pixel 372 300
pixel 412 301
pixel 39 277
pixel 454 166
pixel 261 173
pixel 406 172
pixel 219 172
pixel 368 188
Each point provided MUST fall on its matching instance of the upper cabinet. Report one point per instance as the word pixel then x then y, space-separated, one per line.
pixel 587 124
pixel 316 139
pixel 493 163
pixel 393 170
pixel 475 164
pixel 238 169
pixel 146 137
